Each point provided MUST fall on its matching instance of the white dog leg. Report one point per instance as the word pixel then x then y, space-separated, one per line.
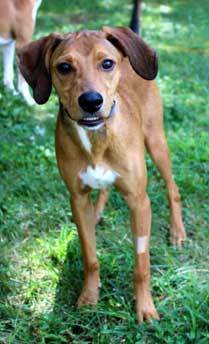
pixel 8 62
pixel 23 88
pixel 35 9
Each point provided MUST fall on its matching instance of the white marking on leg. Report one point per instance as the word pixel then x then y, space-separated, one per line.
pixel 23 88
pixel 141 244
pixel 99 177
pixel 8 61
pixel 35 9
pixel 83 137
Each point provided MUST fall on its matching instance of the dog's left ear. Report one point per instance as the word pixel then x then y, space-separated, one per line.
pixel 33 61
pixel 142 58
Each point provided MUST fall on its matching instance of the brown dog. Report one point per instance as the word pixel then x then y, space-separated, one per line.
pixel 17 21
pixel 109 111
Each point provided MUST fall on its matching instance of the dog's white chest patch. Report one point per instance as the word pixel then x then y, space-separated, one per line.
pixel 83 138
pixel 99 177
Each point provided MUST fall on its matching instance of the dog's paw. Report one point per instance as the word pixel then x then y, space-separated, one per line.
pixel 146 310
pixel 88 297
pixel 178 236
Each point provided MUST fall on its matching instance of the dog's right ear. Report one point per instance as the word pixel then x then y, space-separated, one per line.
pixel 33 61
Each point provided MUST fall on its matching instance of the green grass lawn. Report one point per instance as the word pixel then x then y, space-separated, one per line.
pixel 40 258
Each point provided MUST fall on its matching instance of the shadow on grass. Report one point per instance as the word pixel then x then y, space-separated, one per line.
pixel 70 281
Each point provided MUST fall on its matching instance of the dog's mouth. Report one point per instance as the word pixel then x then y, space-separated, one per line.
pixel 91 121
pixel 94 121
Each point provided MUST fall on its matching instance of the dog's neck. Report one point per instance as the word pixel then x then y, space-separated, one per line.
pixel 92 143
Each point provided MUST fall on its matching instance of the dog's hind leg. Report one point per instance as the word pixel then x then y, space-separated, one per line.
pixel 100 204
pixel 24 36
pixel 8 62
pixel 157 147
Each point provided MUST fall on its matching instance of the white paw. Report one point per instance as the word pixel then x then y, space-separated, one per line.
pixel 29 100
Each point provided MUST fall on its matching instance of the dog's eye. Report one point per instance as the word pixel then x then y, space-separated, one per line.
pixel 64 68
pixel 108 64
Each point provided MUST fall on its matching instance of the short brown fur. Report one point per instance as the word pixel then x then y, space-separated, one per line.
pixel 119 144
pixel 16 20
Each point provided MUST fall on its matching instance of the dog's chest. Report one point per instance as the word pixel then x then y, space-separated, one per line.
pixel 99 177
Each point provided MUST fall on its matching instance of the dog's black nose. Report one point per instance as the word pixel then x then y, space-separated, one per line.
pixel 90 101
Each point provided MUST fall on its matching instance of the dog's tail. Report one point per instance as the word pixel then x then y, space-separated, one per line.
pixel 135 18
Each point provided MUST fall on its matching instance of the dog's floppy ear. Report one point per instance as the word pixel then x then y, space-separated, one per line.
pixel 142 58
pixel 33 61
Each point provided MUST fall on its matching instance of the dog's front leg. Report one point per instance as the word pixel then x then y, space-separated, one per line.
pixel 23 88
pixel 84 217
pixel 139 205
pixel 8 61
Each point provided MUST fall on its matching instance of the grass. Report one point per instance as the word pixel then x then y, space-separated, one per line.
pixel 40 259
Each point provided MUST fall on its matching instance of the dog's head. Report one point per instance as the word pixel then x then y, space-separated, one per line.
pixel 84 68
